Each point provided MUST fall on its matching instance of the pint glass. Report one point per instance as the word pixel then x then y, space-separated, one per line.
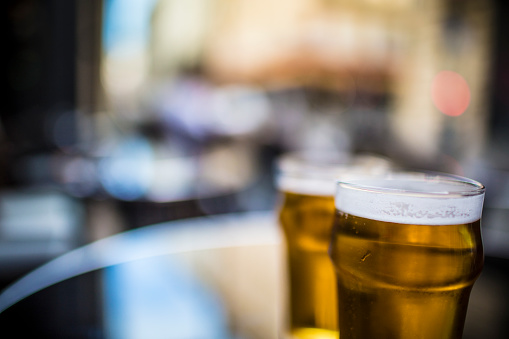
pixel 306 213
pixel 407 250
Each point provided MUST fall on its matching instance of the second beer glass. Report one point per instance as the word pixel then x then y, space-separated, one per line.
pixel 306 214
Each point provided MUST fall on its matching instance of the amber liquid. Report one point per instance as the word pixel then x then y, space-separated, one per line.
pixel 404 281
pixel 307 223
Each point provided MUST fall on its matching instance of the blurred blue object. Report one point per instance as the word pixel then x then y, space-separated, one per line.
pixel 200 109
pixel 36 226
pixel 127 172
pixel 126 22
pixel 156 298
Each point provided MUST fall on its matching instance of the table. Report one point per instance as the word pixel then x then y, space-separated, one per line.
pixel 209 277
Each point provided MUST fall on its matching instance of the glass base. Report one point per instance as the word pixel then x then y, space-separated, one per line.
pixel 313 333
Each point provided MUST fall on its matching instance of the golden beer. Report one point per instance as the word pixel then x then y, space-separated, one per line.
pixel 306 215
pixel 307 221
pixel 407 252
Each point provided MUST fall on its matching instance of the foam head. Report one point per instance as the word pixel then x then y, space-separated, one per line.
pixel 316 174
pixel 412 198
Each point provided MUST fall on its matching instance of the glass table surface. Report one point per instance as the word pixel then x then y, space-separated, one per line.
pixel 211 277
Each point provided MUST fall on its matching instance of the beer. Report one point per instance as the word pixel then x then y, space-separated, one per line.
pixel 407 252
pixel 306 214
pixel 306 220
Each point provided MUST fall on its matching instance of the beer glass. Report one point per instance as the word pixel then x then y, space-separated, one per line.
pixel 306 183
pixel 407 250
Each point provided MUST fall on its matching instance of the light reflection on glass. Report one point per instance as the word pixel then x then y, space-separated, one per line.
pixel 157 298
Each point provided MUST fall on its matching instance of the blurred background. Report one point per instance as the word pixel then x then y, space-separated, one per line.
pixel 123 113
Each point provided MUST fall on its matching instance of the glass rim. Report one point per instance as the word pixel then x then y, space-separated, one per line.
pixel 323 165
pixel 466 187
pixel 303 161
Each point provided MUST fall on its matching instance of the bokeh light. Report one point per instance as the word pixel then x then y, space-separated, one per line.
pixel 450 93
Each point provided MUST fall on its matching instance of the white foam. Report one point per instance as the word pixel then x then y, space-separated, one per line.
pixel 411 201
pixel 317 181
pixel 308 186
pixel 317 173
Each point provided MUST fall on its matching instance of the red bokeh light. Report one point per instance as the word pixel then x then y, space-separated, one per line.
pixel 450 93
